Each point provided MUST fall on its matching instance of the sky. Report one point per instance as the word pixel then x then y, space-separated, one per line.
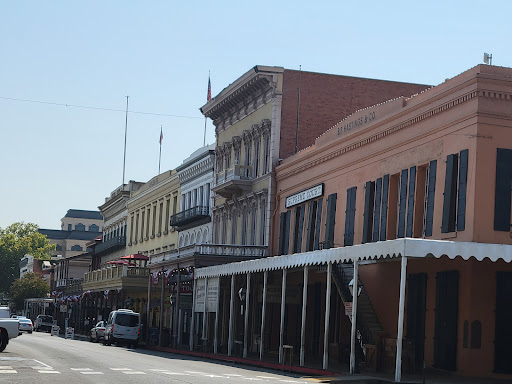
pixel 66 68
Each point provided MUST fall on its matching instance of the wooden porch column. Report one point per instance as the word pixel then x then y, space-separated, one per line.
pixel 217 308
pixel 205 314
pixel 231 305
pixel 191 337
pixel 281 328
pixel 303 323
pixel 327 314
pixel 400 333
pixel 246 320
pixel 354 318
pixel 263 311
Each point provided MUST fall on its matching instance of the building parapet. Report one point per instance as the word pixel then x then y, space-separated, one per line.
pixel 116 272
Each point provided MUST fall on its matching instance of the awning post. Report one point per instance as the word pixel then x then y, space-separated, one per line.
pixel 231 305
pixel 354 319
pixel 281 328
pixel 303 323
pixel 327 314
pixel 263 310
pixel 246 319
pixel 400 333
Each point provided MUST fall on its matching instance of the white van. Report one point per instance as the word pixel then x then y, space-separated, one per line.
pixel 5 313
pixel 122 327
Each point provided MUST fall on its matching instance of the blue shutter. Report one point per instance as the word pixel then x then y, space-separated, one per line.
pixel 350 216
pixel 461 194
pixel 369 201
pixel 502 189
pixel 282 221
pixel 410 202
pixel 298 245
pixel 450 194
pixel 311 225
pixel 376 215
pixel 384 208
pixel 402 203
pixel 286 240
pixel 318 222
pixel 429 219
pixel 330 220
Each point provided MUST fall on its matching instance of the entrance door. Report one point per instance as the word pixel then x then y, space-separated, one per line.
pixel 445 339
pixel 416 303
pixel 503 331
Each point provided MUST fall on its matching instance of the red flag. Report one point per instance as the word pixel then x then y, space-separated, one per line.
pixel 161 136
pixel 209 95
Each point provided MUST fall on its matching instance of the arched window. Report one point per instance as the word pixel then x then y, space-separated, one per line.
pixel 58 247
pixel 192 239
pixel 76 247
pixel 94 228
pixel 79 227
pixel 205 237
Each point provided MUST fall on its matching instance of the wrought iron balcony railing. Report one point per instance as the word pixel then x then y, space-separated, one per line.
pixel 190 215
pixel 111 244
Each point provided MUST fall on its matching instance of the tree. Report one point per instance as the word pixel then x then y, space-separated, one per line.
pixel 30 285
pixel 17 240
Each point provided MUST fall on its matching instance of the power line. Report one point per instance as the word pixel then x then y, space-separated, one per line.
pixel 97 108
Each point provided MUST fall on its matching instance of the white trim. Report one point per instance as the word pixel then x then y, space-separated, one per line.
pixel 409 247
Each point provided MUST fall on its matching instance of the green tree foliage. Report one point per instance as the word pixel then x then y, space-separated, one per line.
pixel 17 240
pixel 30 285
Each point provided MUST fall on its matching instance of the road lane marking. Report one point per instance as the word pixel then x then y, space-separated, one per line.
pixel 267 377
pixel 81 369
pixel 200 373
pixel 134 372
pixel 43 364
pixel 48 371
pixel 91 373
pixel 5 367
pixel 232 374
pixel 123 369
pixel 8 371
pixel 175 373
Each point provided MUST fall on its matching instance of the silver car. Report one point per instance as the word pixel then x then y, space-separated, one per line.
pixel 25 324
pixel 98 332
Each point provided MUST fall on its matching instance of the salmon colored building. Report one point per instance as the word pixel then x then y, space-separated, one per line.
pixel 409 201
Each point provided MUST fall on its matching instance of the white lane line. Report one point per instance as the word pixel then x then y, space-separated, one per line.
pixel 253 379
pixel 216 376
pixel 200 373
pixel 48 371
pixel 43 364
pixel 8 371
pixel 81 369
pixel 267 377
pixel 232 374
pixel 134 372
pixel 5 367
pixel 155 370
pixel 123 369
pixel 91 373
pixel 175 373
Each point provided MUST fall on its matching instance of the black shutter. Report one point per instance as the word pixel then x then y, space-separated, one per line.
pixel 376 215
pixel 502 189
pixel 286 240
pixel 402 203
pixel 282 221
pixel 311 226
pixel 369 198
pixel 384 209
pixel 301 227
pixel 330 220
pixel 410 202
pixel 350 216
pixel 450 194
pixel 429 219
pixel 461 194
pixel 318 222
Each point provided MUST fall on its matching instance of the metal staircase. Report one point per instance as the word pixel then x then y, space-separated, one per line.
pixel 367 323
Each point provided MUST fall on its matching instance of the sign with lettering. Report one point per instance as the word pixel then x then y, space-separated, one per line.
pixel 305 195
pixel 211 297
pixel 274 292
pixel 353 122
pixel 199 295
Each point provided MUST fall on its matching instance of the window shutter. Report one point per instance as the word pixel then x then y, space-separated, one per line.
pixel 286 232
pixel 429 220
pixel 384 208
pixel 350 216
pixel 330 220
pixel 502 193
pixel 318 222
pixel 369 196
pixel 461 194
pixel 300 228
pixel 376 215
pixel 410 201
pixel 402 203
pixel 450 194
pixel 310 234
pixel 282 221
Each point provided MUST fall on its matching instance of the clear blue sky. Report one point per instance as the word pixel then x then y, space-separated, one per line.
pixel 93 53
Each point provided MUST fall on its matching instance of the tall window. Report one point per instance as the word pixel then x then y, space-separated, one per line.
pixel 143 221
pixel 244 226
pixel 160 217
pixel 167 217
pixel 207 196
pixel 137 227
pixel 253 225
pixel 131 229
pixel 79 227
pixel 147 227
pixel 154 221
pixel 256 157
pixel 263 215
pixel 350 215
pixel 298 228
pixel 284 233
pixel 94 228
pixel 454 204
pixel 266 148
pixel 502 191
pixel 330 220
pixel 234 217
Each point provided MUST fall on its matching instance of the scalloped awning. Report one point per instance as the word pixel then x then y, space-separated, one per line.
pixel 409 247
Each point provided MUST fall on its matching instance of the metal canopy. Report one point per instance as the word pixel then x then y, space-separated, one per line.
pixel 417 248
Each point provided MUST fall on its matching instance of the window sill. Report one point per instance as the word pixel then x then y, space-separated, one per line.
pixel 448 235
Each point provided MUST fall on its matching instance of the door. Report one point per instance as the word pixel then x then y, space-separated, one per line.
pixel 416 304
pixel 503 331
pixel 445 337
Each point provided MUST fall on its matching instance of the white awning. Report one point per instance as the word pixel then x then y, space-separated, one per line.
pixel 389 249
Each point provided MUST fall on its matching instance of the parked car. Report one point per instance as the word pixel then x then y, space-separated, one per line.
pixel 9 329
pixel 122 327
pixel 98 332
pixel 43 323
pixel 25 324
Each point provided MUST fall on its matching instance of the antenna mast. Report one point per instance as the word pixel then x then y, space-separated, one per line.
pixel 125 132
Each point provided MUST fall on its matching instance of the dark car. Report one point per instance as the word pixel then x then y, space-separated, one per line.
pixel 43 323
pixel 98 332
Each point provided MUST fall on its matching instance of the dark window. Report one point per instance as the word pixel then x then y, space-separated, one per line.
pixel 310 236
pixel 402 203
pixel 70 227
pixel 384 208
pixel 79 227
pixel 461 193
pixel 317 224
pixel 369 202
pixel 476 334
pixel 502 192
pixel 454 204
pixel 350 215
pixel 127 320
pixel 330 220
pixel 284 233
pixel 431 188
pixel 299 225
pixel 410 202
pixel 58 247
pixel 94 228
pixel 376 214
pixel 76 247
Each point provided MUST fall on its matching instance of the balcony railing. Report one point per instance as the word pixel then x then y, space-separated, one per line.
pixel 111 244
pixel 234 250
pixel 116 272
pixel 236 172
pixel 190 215
pixel 67 283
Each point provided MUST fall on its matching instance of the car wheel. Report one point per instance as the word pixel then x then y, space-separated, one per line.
pixel 29 331
pixel 3 341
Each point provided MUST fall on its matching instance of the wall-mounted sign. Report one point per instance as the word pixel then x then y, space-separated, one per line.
pixel 305 195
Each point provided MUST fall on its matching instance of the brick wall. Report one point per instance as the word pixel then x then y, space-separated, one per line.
pixel 327 99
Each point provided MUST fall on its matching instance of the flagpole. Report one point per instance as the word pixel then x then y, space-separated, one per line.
pixel 204 137
pixel 125 131
pixel 208 99
pixel 160 156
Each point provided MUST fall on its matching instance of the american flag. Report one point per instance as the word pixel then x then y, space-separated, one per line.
pixel 209 95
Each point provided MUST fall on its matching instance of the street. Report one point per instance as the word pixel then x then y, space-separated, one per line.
pixel 39 357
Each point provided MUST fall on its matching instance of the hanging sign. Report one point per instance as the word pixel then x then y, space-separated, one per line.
pixel 305 195
pixel 211 298
pixel 199 295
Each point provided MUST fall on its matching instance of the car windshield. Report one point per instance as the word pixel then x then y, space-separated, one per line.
pixel 127 320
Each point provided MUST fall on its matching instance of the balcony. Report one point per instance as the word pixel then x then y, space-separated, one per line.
pixel 119 276
pixel 243 251
pixel 111 245
pixel 190 215
pixel 234 180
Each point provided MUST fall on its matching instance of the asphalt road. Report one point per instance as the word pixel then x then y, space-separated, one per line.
pixel 41 358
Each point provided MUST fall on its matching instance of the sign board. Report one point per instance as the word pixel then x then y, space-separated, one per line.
pixel 199 295
pixel 211 298
pixel 63 308
pixel 305 195
pixel 70 333
pixel 292 295
pixel 348 308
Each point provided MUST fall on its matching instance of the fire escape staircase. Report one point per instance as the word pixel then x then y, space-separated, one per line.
pixel 367 323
